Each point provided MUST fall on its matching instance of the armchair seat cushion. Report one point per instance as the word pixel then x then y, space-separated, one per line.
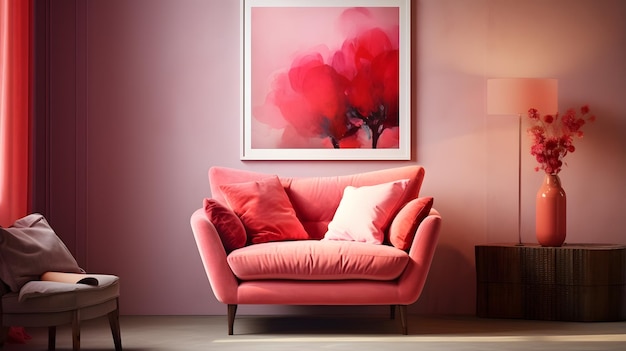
pixel 318 260
pixel 48 297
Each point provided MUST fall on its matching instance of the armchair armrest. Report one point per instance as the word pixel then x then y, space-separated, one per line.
pixel 213 255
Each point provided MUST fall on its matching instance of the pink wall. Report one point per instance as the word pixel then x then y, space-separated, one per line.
pixel 148 100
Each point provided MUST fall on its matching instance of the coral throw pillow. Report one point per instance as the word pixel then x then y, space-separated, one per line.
pixel 265 210
pixel 364 213
pixel 228 225
pixel 404 225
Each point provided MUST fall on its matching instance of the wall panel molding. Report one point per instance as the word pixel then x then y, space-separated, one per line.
pixel 81 133
pixel 40 195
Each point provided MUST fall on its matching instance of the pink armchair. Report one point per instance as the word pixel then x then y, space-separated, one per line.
pixel 314 271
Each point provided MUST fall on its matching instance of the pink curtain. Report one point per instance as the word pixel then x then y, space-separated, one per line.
pixel 15 83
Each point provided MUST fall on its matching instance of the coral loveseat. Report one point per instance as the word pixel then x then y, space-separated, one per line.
pixel 361 239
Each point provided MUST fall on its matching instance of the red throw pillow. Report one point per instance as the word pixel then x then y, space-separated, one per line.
pixel 228 225
pixel 265 210
pixel 404 225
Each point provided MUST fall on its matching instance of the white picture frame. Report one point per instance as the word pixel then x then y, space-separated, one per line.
pixel 286 118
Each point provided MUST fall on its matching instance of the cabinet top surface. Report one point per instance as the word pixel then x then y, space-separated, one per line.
pixel 573 246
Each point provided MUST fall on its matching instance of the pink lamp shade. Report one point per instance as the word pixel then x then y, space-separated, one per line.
pixel 515 96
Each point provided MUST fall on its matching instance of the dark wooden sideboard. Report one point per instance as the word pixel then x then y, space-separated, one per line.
pixel 575 282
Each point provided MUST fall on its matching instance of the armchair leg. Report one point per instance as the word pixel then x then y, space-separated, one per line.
pixel 4 333
pixel 232 310
pixel 403 319
pixel 392 312
pixel 114 321
pixel 52 337
pixel 76 331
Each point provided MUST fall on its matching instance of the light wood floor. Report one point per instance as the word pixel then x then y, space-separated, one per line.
pixel 181 333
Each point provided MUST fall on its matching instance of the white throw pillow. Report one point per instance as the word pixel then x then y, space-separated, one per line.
pixel 364 212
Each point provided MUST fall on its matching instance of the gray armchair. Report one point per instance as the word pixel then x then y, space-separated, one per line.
pixel 41 284
pixel 51 304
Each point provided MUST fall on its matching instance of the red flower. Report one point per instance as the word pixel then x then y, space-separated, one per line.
pixel 584 109
pixel 533 114
pixel 552 141
pixel 548 119
pixel 372 63
pixel 319 106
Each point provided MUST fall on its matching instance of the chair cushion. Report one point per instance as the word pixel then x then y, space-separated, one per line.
pixel 45 296
pixel 318 260
pixel 30 248
pixel 39 288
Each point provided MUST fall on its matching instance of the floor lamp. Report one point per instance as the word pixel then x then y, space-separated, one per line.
pixel 515 96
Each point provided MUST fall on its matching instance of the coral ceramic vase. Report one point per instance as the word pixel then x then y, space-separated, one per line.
pixel 550 212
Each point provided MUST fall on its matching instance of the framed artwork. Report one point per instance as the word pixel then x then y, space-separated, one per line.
pixel 326 80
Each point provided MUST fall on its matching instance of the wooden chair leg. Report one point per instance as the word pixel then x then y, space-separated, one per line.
pixel 76 331
pixel 4 334
pixel 403 319
pixel 114 321
pixel 232 310
pixel 52 337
